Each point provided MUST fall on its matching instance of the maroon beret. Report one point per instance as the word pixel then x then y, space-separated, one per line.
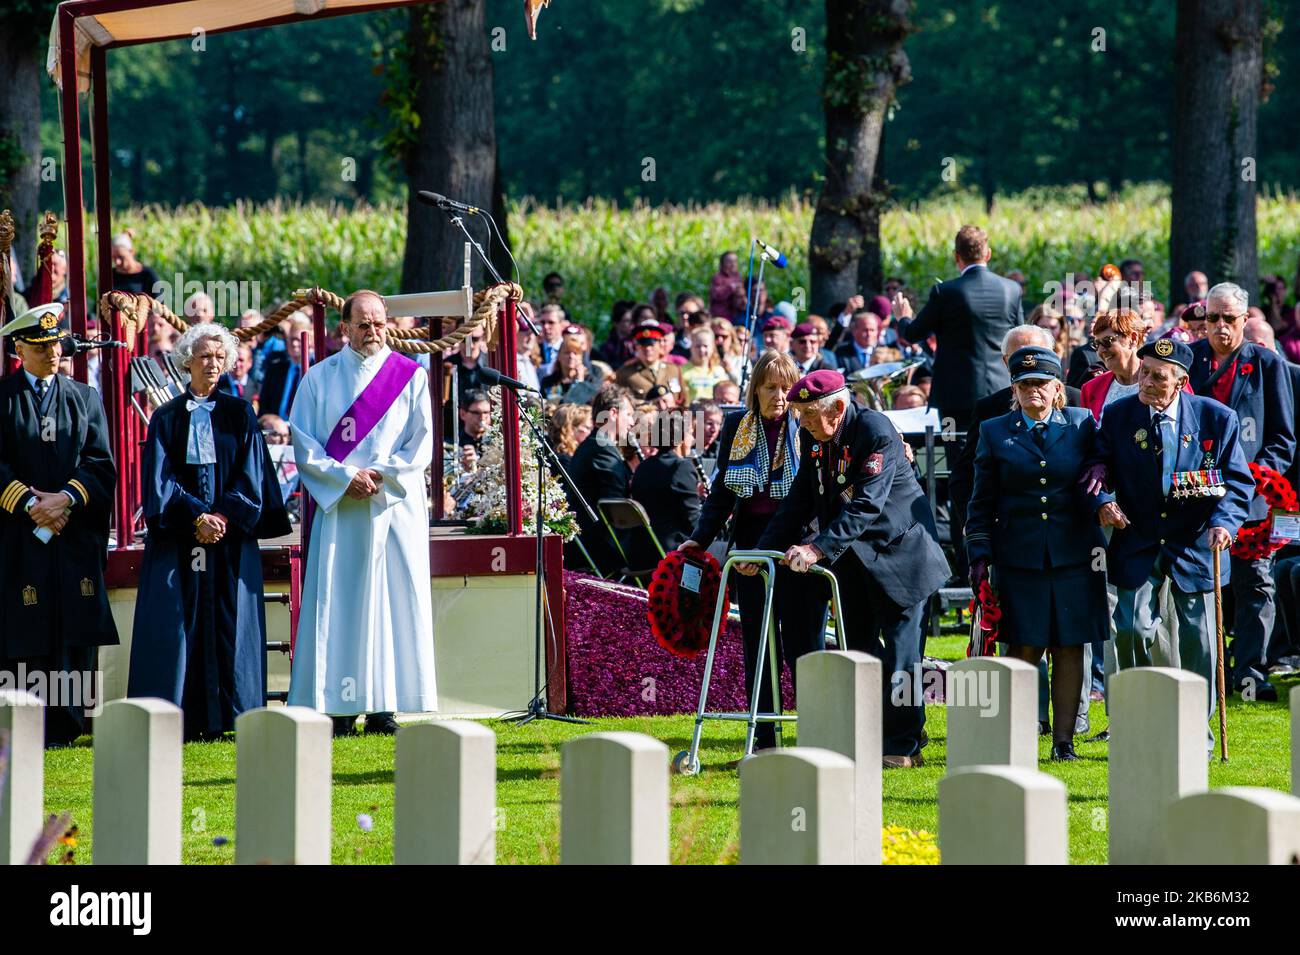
pixel 819 384
pixel 804 329
pixel 777 323
pixel 879 305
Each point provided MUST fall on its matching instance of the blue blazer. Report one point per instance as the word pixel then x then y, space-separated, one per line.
pixel 1027 505
pixel 1265 407
pixel 1176 528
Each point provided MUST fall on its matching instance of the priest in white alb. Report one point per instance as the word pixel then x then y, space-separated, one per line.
pixel 362 429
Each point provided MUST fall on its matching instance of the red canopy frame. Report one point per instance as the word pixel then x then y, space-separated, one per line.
pixel 125 428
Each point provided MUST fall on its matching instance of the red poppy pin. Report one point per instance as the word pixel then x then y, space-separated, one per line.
pixel 1247 368
pixel 1207 444
pixel 875 463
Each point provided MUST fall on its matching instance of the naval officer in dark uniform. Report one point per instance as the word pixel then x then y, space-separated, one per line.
pixel 1182 490
pixel 1032 524
pixel 56 491
pixel 875 532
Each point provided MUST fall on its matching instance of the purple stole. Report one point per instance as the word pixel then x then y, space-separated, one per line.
pixel 371 405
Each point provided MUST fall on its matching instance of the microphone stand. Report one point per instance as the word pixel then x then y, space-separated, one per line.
pixel 752 318
pixel 456 219
pixel 545 454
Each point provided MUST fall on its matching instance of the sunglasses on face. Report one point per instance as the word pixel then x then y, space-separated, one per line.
pixel 1107 341
pixel 1214 318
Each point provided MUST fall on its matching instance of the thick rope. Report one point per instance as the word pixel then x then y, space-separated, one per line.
pixel 135 309
pixel 7 233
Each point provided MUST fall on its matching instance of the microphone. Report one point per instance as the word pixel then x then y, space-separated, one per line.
pixel 442 202
pixel 772 255
pixel 81 345
pixel 492 376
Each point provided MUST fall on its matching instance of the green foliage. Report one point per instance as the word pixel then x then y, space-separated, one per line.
pixel 607 252
pixel 725 97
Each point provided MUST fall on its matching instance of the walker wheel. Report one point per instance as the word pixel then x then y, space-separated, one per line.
pixel 683 765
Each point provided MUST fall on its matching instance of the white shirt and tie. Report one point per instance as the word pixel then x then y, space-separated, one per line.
pixel 1165 424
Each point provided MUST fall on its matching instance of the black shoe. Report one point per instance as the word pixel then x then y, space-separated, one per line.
pixel 1063 753
pixel 384 723
pixel 1102 737
pixel 344 725
pixel 925 740
pixel 1260 691
pixel 1044 728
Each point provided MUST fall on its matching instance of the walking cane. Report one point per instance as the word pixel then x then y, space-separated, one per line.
pixel 1218 628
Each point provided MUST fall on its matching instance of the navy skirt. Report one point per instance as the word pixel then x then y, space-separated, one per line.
pixel 1052 607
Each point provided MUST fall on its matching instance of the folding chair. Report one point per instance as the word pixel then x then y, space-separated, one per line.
pixel 625 514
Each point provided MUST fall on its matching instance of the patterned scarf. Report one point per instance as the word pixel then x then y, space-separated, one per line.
pixel 748 468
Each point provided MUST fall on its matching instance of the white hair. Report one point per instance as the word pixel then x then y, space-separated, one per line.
pixel 1043 335
pixel 184 350
pixel 826 403
pixel 1231 293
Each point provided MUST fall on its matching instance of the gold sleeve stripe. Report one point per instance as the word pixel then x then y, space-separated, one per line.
pixel 13 493
pixel 80 489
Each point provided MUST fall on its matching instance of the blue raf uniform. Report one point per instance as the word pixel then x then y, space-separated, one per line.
pixel 1174 478
pixel 1030 519
pixel 878 536
pixel 1262 396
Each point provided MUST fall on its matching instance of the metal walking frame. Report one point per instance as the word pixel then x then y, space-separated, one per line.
pixel 687 762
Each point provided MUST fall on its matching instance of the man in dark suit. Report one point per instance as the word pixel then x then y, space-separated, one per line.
pixel 876 534
pixel 1254 383
pixel 598 470
pixel 969 316
pixel 667 485
pixel 806 349
pixel 1182 490
pixel 283 374
pixel 864 334
pixel 1285 638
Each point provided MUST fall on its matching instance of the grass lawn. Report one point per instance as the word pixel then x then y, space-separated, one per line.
pixel 705 817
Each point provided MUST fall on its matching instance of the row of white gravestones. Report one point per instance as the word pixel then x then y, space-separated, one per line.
pixel 816 803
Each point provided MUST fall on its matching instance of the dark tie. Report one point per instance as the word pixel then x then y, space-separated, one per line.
pixel 41 386
pixel 1039 434
pixel 1158 421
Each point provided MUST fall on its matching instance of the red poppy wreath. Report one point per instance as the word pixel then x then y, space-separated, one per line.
pixel 1255 543
pixel 679 617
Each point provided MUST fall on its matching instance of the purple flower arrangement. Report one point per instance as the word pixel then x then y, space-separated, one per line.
pixel 616 667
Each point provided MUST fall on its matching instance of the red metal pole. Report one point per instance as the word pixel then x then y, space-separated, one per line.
pixel 73 201
pixel 436 373
pixel 103 188
pixel 506 363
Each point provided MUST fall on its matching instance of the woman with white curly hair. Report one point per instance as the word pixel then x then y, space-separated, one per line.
pixel 199 637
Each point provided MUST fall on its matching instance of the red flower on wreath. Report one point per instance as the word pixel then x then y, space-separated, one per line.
pixel 1247 368
pixel 679 618
pixel 990 614
pixel 1255 542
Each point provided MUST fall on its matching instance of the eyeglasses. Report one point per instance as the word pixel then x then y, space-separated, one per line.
pixel 1214 318
pixel 1106 341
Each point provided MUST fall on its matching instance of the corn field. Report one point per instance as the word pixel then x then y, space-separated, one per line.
pixel 606 252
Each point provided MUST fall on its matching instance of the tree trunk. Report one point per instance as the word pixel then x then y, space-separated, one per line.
pixel 455 150
pixel 21 66
pixel 1218 67
pixel 865 64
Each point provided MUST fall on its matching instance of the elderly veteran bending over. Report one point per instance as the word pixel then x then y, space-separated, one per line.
pixel 876 533
pixel 1033 526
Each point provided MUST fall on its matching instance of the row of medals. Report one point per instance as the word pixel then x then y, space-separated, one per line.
pixel 1197 484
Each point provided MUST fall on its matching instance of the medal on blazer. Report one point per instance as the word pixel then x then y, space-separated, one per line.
pixel 816 456
pixel 843 467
